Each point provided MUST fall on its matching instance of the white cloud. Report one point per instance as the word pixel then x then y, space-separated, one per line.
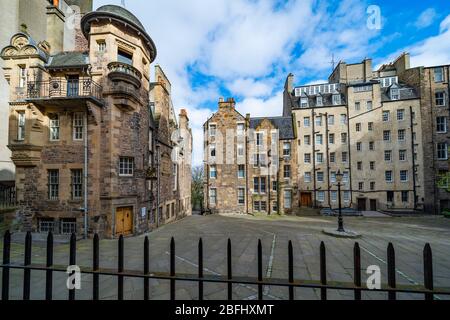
pixel 426 18
pixel 251 88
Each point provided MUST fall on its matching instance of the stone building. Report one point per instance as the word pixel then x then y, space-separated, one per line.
pixel 367 125
pixel 89 147
pixel 249 163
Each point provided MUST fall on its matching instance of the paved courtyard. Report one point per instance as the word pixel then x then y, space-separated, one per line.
pixel 408 234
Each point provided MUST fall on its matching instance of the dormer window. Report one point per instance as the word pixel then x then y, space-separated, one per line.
pixel 395 94
pixel 124 57
pixel 319 101
pixel 304 102
pixel 336 99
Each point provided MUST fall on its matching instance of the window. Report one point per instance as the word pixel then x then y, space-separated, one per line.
pixel 331 120
pixel 357 106
pixel 213 172
pixel 438 74
pixel 401 134
pixel 126 166
pixel 346 196
pixel 360 186
pixel 54 127
pixel 372 165
pixel 344 137
pixel 77 183
pixel 336 99
pixel 372 186
pixel 334 196
pixel 78 124
pixel 274 186
pixel 306 121
pixel 241 171
pixel 213 196
pixel 53 184
pixel 333 176
pixel 307 158
pixel 358 146
pixel 263 185
pixel 403 175
pixel 241 196
pixel 390 196
pixel 331 138
pixel 263 206
pixel 370 126
pixel 320 176
pixel 387 155
pixel 22 77
pixel 319 101
pixel 344 156
pixel 256 185
pixel 402 155
pixel 259 160
pixel 307 177
pixel 358 127
pixel 240 129
pixel 345 176
pixel 212 150
pixel 319 157
pixel 387 135
pixel 286 149
pixel 332 157
pixel 371 145
pixel 400 114
pixel 369 105
pixel 395 94
pixel 101 46
pixel 319 139
pixel 441 124
pixel 124 57
pixel 442 151
pixel 287 171
pixel 440 98
pixel 304 103
pixel 240 150
pixel 259 138
pixel 359 165
pixel 319 121
pixel 388 176
pixel 405 195
pixel 259 185
pixel 321 196
pixel 385 116
pixel 287 199
pixel 21 126
pixel 343 119
pixel 307 140
pixel 212 130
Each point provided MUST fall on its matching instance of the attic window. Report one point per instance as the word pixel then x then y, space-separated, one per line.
pixel 319 101
pixel 395 94
pixel 124 57
pixel 336 99
pixel 304 102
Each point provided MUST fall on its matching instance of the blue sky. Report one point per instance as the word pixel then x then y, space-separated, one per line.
pixel 246 48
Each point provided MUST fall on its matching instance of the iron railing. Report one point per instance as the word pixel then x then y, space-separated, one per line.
pixel 125 68
pixel 64 88
pixel 392 288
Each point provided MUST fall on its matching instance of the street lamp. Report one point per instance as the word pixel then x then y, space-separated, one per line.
pixel 339 177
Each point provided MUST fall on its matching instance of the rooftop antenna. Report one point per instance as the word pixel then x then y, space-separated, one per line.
pixel 123 3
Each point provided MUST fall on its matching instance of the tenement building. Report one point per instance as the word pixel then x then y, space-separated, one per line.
pixel 384 131
pixel 250 163
pixel 93 150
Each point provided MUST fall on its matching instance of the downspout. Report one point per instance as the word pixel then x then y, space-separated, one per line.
pixel 158 184
pixel 85 209
pixel 328 157
pixel 413 159
pixel 313 137
pixel 435 189
pixel 349 154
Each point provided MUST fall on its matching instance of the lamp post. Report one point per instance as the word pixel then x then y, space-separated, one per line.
pixel 339 177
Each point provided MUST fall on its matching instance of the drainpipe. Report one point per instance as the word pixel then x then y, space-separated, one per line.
pixel 413 160
pixel 85 176
pixel 158 184
pixel 313 137
pixel 327 147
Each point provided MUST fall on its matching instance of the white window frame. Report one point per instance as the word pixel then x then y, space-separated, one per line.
pixel 404 173
pixel 445 151
pixel 213 172
pixel 212 129
pixel 54 127
pixel 78 127
pixel 213 196
pixel 440 124
pixel 126 166
pixel 386 176
pixel 22 76
pixel 400 114
pixel 21 123
pixel 441 73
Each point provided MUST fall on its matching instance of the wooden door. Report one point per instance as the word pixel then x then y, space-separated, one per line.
pixel 361 204
pixel 373 205
pixel 306 199
pixel 124 221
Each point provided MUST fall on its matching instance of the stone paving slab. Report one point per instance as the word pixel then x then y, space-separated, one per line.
pixel 408 234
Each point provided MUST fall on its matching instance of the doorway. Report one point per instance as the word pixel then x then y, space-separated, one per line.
pixel 124 221
pixel 361 204
pixel 373 205
pixel 306 199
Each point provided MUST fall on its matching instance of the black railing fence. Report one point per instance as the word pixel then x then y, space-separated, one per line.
pixel 392 288
pixel 64 88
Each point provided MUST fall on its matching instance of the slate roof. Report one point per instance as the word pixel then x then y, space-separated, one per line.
pixel 327 100
pixel 283 124
pixel 404 91
pixel 68 59
pixel 121 12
